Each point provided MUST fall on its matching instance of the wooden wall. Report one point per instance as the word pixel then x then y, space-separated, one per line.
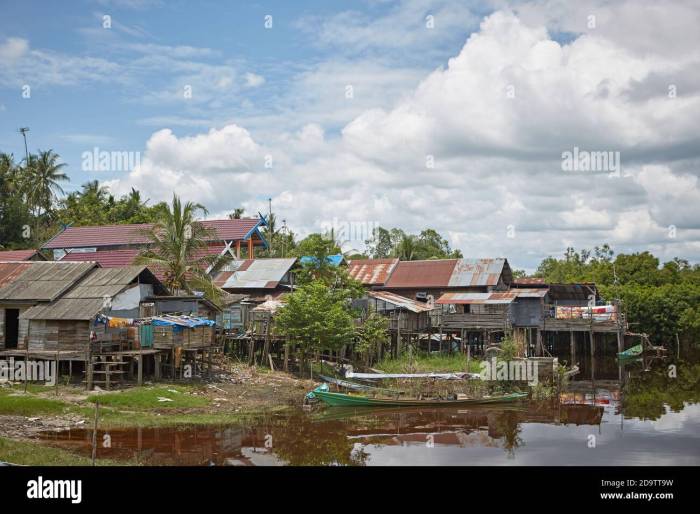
pixel 52 335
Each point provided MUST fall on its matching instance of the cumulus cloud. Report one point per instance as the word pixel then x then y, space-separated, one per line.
pixel 474 148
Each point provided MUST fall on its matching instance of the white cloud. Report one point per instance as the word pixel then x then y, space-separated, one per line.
pixel 254 80
pixel 497 159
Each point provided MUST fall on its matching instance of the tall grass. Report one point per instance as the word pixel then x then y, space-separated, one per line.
pixel 426 363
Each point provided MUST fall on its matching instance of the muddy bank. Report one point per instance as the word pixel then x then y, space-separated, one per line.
pixel 233 392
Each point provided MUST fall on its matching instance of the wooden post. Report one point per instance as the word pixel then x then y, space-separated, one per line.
pixel 238 249
pixel 94 432
pixel 156 371
pixel 57 373
pixel 592 356
pixel 398 335
pixel 140 369
pixel 250 249
pixel 286 355
pixel 573 348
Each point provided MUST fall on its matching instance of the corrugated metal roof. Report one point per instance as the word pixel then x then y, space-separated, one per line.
pixel 115 235
pixel 106 258
pixel 254 273
pixel 125 257
pixel 9 271
pixel 477 298
pixel 371 272
pixel 400 301
pixel 531 292
pixel 448 273
pixel 528 281
pixel 45 281
pixel 65 309
pixel 17 255
pixel 476 272
pixel 416 274
pixel 103 282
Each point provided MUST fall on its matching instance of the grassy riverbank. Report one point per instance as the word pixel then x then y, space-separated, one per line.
pixel 426 363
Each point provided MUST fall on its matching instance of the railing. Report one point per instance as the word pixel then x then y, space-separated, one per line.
pixel 473 320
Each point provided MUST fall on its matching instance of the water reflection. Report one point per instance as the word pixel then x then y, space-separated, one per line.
pixel 648 418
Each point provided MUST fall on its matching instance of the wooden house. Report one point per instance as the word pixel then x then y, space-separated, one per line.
pixel 28 285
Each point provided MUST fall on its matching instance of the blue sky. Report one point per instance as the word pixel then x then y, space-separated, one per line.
pixel 409 113
pixel 120 111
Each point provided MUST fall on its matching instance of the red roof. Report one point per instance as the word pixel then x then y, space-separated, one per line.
pixel 371 271
pixel 430 273
pixel 106 258
pixel 17 255
pixel 116 235
pixel 118 258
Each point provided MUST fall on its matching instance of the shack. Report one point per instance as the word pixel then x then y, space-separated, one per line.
pixel 26 284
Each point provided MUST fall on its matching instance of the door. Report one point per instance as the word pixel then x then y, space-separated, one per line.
pixel 11 328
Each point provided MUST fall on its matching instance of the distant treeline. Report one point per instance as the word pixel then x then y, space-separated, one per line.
pixel 660 299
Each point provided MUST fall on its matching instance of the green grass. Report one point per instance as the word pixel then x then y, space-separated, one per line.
pixel 32 454
pixel 424 363
pixel 13 402
pixel 147 398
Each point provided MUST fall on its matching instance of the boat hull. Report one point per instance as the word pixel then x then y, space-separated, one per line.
pixel 347 400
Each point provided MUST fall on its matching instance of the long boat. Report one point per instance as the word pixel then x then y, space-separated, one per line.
pixel 630 353
pixel 345 400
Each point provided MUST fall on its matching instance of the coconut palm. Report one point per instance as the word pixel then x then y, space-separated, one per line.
pixel 236 214
pixel 42 177
pixel 177 246
pixel 407 248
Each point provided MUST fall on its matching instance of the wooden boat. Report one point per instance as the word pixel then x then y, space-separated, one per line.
pixel 342 399
pixel 632 352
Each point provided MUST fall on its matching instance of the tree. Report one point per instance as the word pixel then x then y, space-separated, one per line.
pixel 14 213
pixel 317 317
pixel 236 214
pixel 42 180
pixel 372 336
pixel 177 245
pixel 407 249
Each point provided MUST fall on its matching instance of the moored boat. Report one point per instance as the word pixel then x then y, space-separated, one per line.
pixel 630 353
pixel 343 399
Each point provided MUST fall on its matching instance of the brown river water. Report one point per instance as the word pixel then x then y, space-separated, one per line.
pixel 647 418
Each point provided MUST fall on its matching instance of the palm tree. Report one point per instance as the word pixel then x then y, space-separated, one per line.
pixel 236 214
pixel 42 180
pixel 93 188
pixel 177 246
pixel 407 248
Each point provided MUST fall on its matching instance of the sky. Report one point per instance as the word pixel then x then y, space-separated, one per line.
pixel 516 129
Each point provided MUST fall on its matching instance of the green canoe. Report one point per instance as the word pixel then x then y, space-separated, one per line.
pixel 345 400
pixel 629 353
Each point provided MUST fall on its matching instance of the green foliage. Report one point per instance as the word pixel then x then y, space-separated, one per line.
pixel 175 246
pixel 429 244
pixel 661 300
pixel 372 336
pixel 426 363
pixel 317 317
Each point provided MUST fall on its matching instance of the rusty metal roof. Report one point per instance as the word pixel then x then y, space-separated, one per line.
pixel 44 281
pixel 254 273
pixel 9 271
pixel 478 298
pixel 371 272
pixel 530 292
pixel 400 301
pixel 528 281
pixel 20 255
pixel 449 273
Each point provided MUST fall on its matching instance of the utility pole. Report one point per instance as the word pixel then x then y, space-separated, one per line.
pixel 23 131
pixel 284 240
pixel 269 223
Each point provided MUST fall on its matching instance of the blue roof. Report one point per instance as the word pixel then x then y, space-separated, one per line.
pixel 333 260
